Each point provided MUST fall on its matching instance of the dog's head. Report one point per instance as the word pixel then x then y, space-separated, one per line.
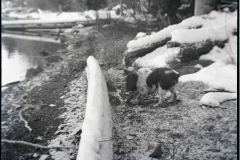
pixel 131 81
pixel 149 81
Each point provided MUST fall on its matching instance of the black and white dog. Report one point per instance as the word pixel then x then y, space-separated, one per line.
pixel 164 79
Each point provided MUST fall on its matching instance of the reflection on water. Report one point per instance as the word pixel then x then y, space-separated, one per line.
pixel 18 55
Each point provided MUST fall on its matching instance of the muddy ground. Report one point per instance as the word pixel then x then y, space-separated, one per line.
pixel 53 104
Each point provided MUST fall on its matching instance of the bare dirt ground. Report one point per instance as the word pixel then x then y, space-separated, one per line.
pixel 184 129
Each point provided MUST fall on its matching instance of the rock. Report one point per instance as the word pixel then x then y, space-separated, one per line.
pixel 39 138
pixel 133 134
pixel 62 97
pixel 31 72
pixel 126 128
pixel 157 153
pixel 149 147
pixel 43 157
pixel 218 116
pixel 129 137
pixel 35 155
pixel 44 53
pixel 53 59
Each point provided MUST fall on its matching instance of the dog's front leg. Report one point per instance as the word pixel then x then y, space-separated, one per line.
pixel 161 97
pixel 136 100
pixel 173 94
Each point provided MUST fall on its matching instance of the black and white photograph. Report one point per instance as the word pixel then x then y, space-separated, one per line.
pixel 119 79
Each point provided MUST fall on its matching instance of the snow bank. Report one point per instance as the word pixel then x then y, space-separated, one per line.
pixel 158 58
pixel 213 19
pixel 213 33
pixel 97 123
pixel 218 76
pixel 216 98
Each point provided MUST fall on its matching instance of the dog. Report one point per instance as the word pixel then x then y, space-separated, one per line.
pixel 145 81
pixel 164 79
pixel 136 81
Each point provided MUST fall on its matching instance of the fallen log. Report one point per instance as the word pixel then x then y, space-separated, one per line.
pixel 192 51
pixel 129 57
pixel 207 25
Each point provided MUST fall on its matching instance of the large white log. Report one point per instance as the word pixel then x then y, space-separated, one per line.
pixel 96 143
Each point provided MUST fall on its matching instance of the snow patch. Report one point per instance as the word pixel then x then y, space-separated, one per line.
pixel 160 57
pixel 216 98
pixel 198 66
pixel 213 33
pixel 140 35
pixel 218 76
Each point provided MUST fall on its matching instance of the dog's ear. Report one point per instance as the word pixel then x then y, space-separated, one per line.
pixel 131 81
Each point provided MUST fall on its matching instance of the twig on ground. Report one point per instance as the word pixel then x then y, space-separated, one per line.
pixel 99 34
pixel 37 145
pixel 26 122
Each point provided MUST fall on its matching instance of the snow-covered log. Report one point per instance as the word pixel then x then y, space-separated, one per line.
pixel 96 135
pixel 197 42
pixel 192 51
pixel 227 55
pixel 215 22
pixel 129 57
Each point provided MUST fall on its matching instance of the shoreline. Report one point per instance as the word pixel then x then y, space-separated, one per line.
pixel 209 133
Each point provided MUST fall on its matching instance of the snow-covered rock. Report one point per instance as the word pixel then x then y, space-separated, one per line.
pixel 216 98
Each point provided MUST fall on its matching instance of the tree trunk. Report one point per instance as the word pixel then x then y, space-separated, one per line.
pixel 204 6
pixel 121 7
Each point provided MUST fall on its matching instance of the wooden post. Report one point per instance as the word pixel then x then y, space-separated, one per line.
pixel 204 6
pixel 121 7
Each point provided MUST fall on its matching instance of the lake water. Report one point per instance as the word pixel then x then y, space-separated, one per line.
pixel 20 53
